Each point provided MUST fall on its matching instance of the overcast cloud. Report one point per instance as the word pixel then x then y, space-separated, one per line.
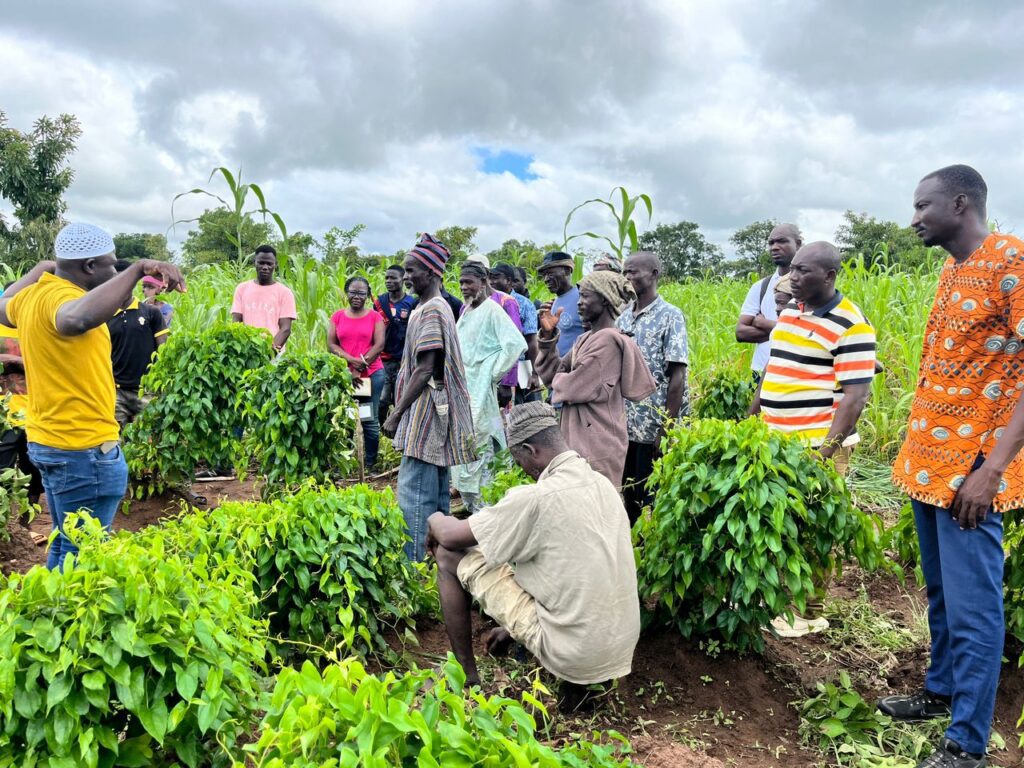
pixel 724 111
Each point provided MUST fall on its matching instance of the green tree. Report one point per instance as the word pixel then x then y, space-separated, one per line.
pixel 338 245
pixel 683 249
pixel 133 246
pixel 211 242
pixel 751 244
pixel 876 240
pixel 458 240
pixel 34 175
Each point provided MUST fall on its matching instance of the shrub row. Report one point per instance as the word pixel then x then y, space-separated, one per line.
pixel 344 716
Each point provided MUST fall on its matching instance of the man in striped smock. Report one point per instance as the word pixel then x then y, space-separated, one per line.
pixel 820 366
pixel 431 422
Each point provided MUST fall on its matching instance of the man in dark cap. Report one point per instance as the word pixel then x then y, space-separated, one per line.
pixel 556 272
pixel 572 599
pixel 431 422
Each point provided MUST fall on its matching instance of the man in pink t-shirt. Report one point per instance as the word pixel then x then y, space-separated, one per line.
pixel 264 302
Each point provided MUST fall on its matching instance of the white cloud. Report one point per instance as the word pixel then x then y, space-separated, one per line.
pixel 725 112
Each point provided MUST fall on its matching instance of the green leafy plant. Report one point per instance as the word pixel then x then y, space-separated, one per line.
pixel 745 519
pixel 507 478
pixel 724 392
pixel 235 205
pixel 300 420
pixel 1013 541
pixel 130 657
pixel 344 716
pixel 13 482
pixel 192 419
pixel 626 237
pixel 328 564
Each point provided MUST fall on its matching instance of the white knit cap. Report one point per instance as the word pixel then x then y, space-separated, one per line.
pixel 479 258
pixel 82 241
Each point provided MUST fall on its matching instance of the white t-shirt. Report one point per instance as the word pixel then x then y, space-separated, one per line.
pixel 767 308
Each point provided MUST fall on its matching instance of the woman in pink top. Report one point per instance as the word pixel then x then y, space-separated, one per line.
pixel 356 334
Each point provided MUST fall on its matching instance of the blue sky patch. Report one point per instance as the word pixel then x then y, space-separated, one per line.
pixel 505 161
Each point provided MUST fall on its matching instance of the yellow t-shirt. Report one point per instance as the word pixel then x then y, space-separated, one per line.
pixel 70 379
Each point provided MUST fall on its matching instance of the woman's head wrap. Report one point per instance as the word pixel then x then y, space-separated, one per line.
pixel 784 285
pixel 526 420
pixel 612 287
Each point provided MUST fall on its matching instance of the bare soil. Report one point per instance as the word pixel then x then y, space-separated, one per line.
pixel 680 707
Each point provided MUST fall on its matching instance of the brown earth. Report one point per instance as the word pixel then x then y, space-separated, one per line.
pixel 680 707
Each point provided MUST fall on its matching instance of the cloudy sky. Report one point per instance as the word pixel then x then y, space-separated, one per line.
pixel 408 116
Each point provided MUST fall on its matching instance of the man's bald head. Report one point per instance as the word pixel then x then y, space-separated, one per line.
pixel 813 274
pixel 823 254
pixel 783 243
pixel 642 269
pixel 787 230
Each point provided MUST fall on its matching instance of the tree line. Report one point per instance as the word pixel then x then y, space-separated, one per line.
pixel 35 173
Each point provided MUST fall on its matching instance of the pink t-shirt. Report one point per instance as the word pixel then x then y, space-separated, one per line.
pixel 262 306
pixel 355 335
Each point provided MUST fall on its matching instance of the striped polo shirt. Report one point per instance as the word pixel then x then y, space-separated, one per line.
pixel 814 353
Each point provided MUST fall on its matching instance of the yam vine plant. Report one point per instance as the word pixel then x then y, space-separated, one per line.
pixel 745 519
pixel 327 565
pixel 299 420
pixel 132 656
pixel 343 716
pixel 192 420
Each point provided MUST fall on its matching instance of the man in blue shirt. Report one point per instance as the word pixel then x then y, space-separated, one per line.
pixel 556 272
pixel 395 306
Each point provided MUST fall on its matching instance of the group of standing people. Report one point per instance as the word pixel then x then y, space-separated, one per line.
pixel 612 356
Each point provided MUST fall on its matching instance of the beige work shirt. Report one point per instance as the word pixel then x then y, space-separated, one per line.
pixel 568 539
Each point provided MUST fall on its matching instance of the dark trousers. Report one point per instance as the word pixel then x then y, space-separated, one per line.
pixel 387 391
pixel 639 465
pixel 14 455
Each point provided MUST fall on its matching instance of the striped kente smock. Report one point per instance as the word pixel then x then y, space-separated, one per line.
pixel 814 353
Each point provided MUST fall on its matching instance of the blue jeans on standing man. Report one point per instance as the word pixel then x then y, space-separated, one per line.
pixel 422 491
pixel 88 480
pixel 964 573
pixel 371 426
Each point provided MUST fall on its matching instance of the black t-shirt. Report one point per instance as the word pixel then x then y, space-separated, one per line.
pixel 133 333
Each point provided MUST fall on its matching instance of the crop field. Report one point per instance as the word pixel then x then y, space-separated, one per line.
pixel 271 620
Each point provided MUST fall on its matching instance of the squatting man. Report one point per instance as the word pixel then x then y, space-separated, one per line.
pixel 571 599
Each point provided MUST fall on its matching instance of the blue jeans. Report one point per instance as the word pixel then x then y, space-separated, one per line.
pixel 371 426
pixel 964 574
pixel 87 480
pixel 422 491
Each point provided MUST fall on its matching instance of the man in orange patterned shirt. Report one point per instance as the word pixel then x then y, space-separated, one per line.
pixel 959 462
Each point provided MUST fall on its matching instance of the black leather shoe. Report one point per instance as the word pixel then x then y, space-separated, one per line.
pixel 950 755
pixel 923 705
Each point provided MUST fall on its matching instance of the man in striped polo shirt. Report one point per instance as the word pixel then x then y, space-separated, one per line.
pixel 818 378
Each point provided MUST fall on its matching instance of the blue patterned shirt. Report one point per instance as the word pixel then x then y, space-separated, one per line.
pixel 659 329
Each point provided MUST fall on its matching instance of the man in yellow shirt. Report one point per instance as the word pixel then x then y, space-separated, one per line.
pixel 60 310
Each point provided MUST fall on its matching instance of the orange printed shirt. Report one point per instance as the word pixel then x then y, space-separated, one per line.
pixel 971 376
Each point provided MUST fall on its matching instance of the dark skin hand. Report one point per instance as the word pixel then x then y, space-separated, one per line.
pixel 426 366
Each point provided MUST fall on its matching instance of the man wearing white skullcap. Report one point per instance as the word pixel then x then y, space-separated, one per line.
pixel 61 311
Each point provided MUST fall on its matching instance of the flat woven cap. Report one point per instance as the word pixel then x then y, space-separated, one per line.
pixel 526 420
pixel 82 241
